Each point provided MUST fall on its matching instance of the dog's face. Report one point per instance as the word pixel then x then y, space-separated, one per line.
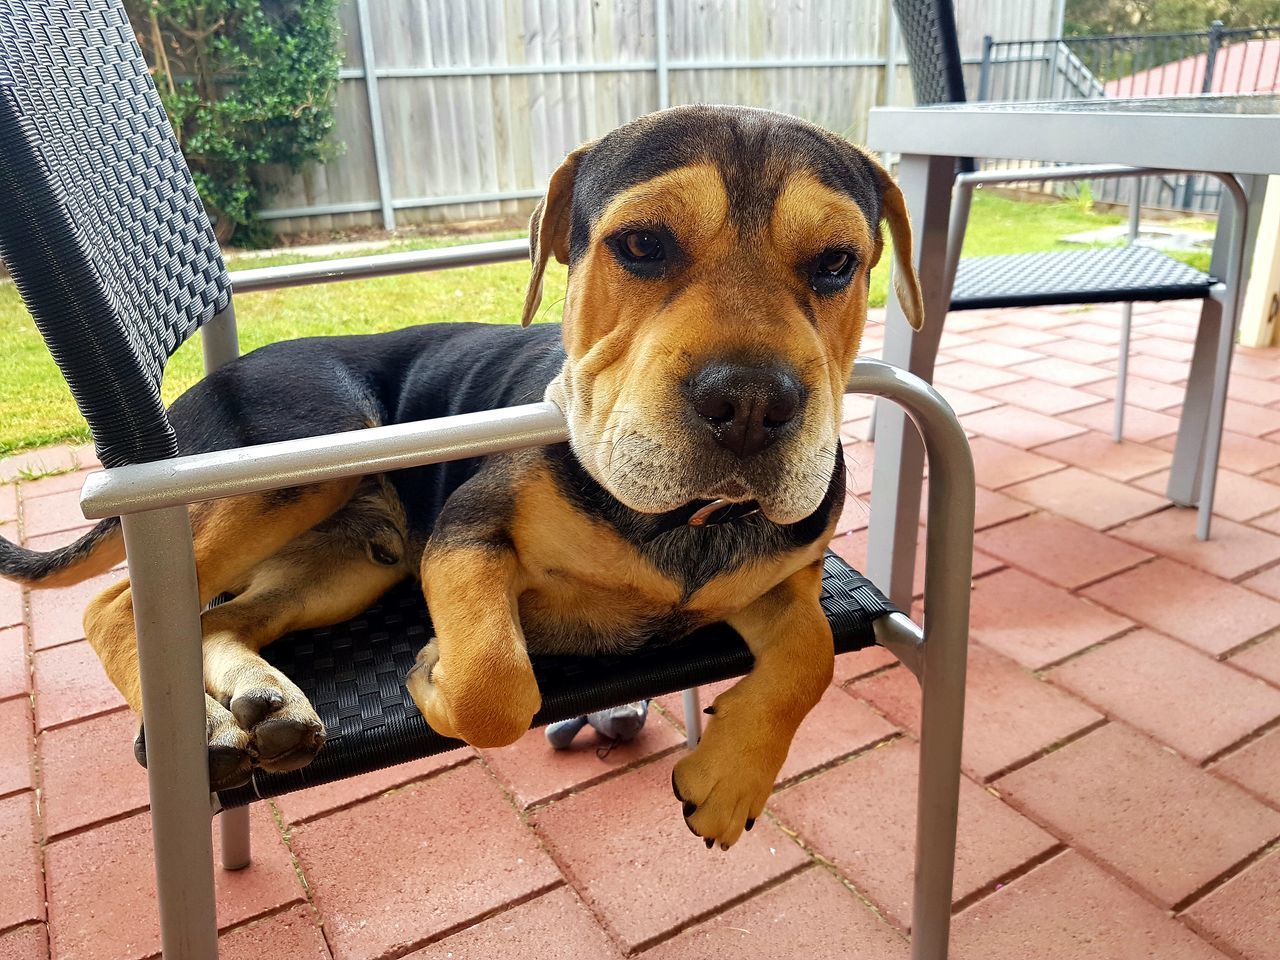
pixel 718 269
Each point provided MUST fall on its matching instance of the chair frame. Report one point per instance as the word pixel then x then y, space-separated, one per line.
pixel 151 498
pixel 962 200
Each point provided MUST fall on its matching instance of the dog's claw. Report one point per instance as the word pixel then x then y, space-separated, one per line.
pixel 711 843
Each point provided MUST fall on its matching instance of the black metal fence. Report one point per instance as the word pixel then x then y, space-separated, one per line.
pixel 1217 60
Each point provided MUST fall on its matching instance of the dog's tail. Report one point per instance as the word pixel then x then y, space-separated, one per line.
pixel 96 552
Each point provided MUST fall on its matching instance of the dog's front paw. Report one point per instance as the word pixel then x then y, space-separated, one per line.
pixel 260 711
pixel 428 697
pixel 493 709
pixel 724 788
pixel 231 751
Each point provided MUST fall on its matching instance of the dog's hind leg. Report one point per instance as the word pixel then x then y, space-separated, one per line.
pixel 232 537
pixel 315 581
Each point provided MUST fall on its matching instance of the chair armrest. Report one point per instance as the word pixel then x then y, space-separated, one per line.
pixel 1098 171
pixel 381 265
pixel 291 463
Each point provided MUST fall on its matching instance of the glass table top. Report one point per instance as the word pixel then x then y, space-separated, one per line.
pixel 1252 104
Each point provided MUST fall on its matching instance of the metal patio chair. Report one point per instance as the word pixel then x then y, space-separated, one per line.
pixel 1125 274
pixel 112 251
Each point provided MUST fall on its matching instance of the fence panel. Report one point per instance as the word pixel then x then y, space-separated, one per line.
pixel 479 100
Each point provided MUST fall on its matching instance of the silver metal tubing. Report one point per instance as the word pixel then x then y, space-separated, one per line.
pixel 1212 441
pixel 1090 171
pixel 1122 370
pixel 1126 321
pixel 901 637
pixel 382 265
pixel 236 849
pixel 219 339
pixel 692 717
pixel 272 466
pixel 948 573
pixel 166 611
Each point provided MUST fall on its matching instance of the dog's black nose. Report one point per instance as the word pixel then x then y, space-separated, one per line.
pixel 746 407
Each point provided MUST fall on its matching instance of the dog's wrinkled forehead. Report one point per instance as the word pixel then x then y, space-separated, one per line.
pixel 754 150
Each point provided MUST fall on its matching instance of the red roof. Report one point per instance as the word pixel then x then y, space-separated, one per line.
pixel 1249 67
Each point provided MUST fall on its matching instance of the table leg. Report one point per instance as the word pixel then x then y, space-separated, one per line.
pixel 1195 462
pixel 899 464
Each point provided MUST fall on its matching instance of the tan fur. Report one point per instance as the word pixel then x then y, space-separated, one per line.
pixel 731 773
pixel 474 681
pixel 231 538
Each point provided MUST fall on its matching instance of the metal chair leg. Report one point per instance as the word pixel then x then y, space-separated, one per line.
pixel 692 717
pixel 166 610
pixel 1122 370
pixel 234 827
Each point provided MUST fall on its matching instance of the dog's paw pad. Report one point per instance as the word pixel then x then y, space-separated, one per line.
pixel 288 742
pixel 251 707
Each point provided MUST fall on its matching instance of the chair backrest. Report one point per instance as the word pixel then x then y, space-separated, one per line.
pixel 928 29
pixel 103 230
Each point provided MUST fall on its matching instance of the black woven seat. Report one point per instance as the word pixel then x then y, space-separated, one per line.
pixel 354 673
pixel 1095 275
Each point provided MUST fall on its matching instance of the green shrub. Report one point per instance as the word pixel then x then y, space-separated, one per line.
pixel 247 84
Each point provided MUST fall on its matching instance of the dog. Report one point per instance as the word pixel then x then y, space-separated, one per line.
pixel 718 265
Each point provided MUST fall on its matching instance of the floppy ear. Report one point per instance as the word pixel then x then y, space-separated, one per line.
pixel 893 210
pixel 549 228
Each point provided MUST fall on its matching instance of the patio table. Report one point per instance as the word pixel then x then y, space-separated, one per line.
pixel 1238 135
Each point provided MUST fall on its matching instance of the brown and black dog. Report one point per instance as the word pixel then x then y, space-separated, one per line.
pixel 718 274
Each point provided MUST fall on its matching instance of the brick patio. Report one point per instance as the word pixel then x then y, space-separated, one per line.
pixel 1122 756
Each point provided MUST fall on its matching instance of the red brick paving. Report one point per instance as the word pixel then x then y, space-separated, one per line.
pixel 1018 426
pixel 1261 659
pixel 15 675
pixel 1241 915
pixel 1234 550
pixel 30 942
pixel 415 863
pixel 98 751
pixel 1211 614
pixel 1068 909
pixel 810 915
pixel 1256 767
pixel 316 801
pixel 425 859
pixel 16 753
pixel 1143 678
pixel 1086 498
pixel 554 926
pixel 57 615
pixel 629 855
pixel 998 464
pixel 534 773
pixel 1168 826
pixel 71 684
pixel 293 934
pixel 1060 551
pixel 1010 715
pixel 110 910
pixel 861 816
pixel 1035 623
pixel 20 862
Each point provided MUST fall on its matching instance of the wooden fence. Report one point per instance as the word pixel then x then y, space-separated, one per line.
pixel 455 110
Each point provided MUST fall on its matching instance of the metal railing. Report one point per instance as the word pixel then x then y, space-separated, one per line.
pixel 1218 60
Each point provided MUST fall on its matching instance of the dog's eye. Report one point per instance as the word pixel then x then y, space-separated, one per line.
pixel 640 246
pixel 831 271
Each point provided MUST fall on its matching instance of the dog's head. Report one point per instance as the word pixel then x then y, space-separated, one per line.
pixel 718 268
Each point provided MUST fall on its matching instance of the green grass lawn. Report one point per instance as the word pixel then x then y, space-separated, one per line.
pixel 36 408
